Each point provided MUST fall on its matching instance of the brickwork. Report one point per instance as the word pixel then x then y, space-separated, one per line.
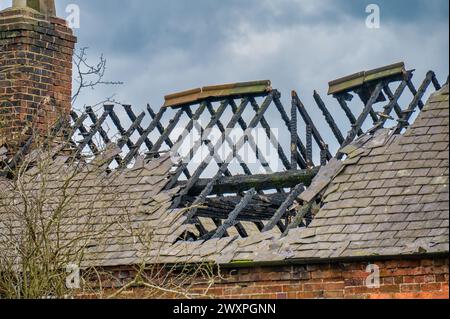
pixel 35 72
pixel 405 278
pixel 426 278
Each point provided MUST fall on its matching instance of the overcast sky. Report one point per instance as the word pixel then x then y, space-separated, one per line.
pixel 159 47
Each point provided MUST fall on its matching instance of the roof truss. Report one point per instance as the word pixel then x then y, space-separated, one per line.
pixel 235 199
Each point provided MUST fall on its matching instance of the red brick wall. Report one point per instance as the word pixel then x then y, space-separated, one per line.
pixel 399 279
pixel 414 278
pixel 35 72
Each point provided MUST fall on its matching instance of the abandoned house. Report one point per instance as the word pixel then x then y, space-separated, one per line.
pixel 369 220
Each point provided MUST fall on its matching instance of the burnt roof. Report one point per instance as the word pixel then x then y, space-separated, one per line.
pixel 389 197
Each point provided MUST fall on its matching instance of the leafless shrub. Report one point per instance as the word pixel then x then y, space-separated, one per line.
pixel 59 209
pixel 89 75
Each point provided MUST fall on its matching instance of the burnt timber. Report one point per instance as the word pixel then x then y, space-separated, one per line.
pixel 260 207
pixel 260 182
pixel 233 196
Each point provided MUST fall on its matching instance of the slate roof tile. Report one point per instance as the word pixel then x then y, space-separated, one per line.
pixel 364 211
pixel 364 219
pixel 407 204
pixel 348 211
pixel 392 199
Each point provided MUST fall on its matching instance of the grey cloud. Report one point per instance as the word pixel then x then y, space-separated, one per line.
pixel 161 47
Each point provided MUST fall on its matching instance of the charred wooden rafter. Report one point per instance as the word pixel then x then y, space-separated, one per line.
pixel 300 157
pixel 165 135
pixel 79 126
pixel 101 131
pixel 342 100
pixel 392 105
pixel 207 190
pixel 329 118
pixel 315 132
pixel 283 158
pixel 197 144
pixel 234 214
pixel 200 130
pixel 416 102
pixel 242 163
pixel 293 128
pixel 261 207
pixel 94 129
pixel 247 202
pixel 360 121
pixel 261 182
pixel 284 207
pixel 249 138
pixel 144 136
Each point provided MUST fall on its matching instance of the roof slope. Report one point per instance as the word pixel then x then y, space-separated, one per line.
pixel 118 218
pixel 392 198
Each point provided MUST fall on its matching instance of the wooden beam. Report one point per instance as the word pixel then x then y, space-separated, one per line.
pixel 284 207
pixel 241 183
pixel 392 105
pixel 205 192
pixel 362 117
pixel 287 121
pixel 308 121
pixel 260 207
pixel 198 143
pixel 213 113
pixel 341 98
pixel 139 128
pixel 240 143
pixel 266 126
pixel 417 101
pixel 293 128
pixel 94 130
pixel 329 118
pixel 79 126
pixel 234 214
pixel 101 131
pixel 144 136
pixel 299 217
pixel 250 139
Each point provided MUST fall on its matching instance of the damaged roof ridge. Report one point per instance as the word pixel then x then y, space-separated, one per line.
pixel 217 91
pixel 349 82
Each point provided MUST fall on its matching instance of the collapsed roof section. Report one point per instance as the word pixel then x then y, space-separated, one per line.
pixel 208 214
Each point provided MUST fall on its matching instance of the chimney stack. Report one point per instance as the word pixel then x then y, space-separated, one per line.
pixel 36 50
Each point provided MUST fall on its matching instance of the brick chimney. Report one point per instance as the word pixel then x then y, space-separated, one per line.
pixel 36 51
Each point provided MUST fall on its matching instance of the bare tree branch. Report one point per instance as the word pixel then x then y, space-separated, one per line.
pixel 89 76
